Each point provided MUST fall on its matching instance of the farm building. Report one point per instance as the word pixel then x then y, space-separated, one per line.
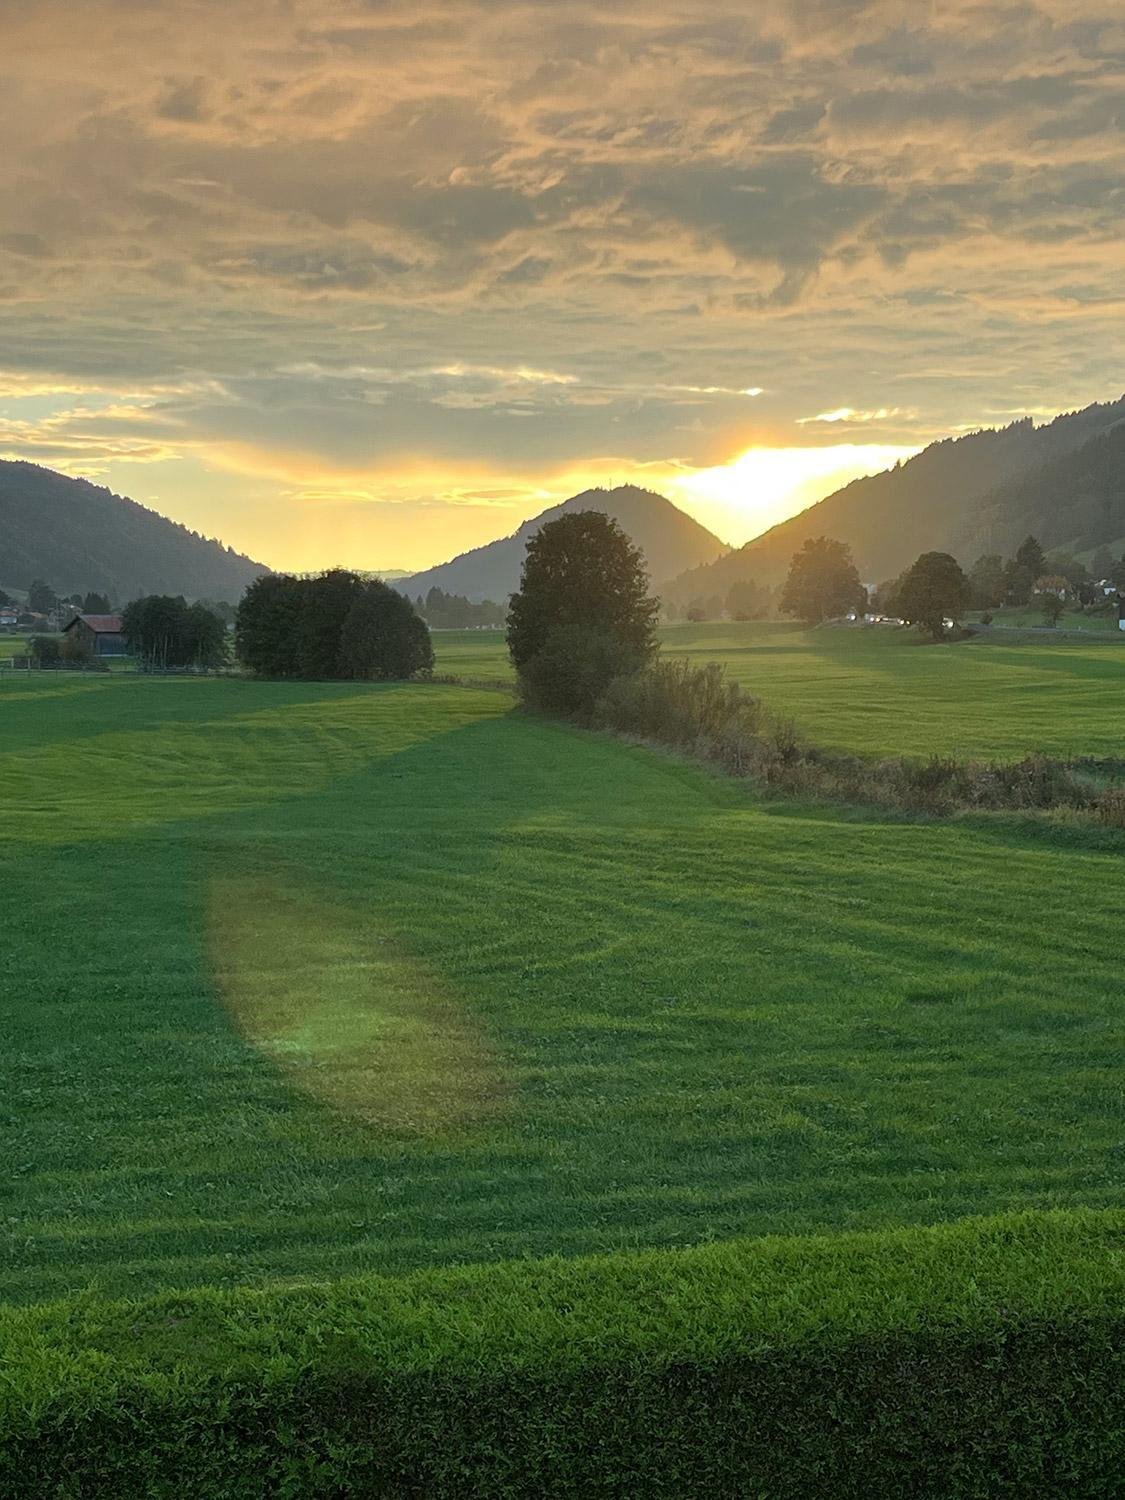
pixel 100 634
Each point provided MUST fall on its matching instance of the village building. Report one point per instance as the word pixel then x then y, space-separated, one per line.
pixel 99 634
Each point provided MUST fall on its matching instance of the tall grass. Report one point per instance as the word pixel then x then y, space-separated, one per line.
pixel 696 710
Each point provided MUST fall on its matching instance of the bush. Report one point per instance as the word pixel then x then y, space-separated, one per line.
pixel 978 1359
pixel 1111 807
pixel 45 650
pixel 573 668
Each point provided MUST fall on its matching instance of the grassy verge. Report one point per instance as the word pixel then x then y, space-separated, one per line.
pixel 981 1359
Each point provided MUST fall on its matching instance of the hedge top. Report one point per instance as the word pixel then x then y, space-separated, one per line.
pixel 975 1277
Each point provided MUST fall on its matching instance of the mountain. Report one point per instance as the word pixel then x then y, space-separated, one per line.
pixel 1075 503
pixel 670 540
pixel 983 492
pixel 81 537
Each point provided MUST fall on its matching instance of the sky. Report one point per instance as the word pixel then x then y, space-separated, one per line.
pixel 367 282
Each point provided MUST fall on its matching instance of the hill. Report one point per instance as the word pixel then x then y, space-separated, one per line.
pixel 670 540
pixel 1074 504
pixel 979 493
pixel 79 536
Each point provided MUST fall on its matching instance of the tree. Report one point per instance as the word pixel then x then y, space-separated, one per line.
pixel 580 570
pixel 743 599
pixel 205 642
pixel 932 588
pixel 325 603
pixel 45 650
pixel 164 631
pixel 384 639
pixel 986 580
pixel 40 597
pixel 1053 608
pixel 1022 570
pixel 94 604
pixel 822 582
pixel 268 623
pixel 1030 555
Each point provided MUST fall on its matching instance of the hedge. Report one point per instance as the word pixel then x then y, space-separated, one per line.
pixel 983 1358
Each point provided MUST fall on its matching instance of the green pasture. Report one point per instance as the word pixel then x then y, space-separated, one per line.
pixel 11 645
pixel 883 691
pixel 306 980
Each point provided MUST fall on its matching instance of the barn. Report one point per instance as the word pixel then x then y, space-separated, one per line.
pixel 100 634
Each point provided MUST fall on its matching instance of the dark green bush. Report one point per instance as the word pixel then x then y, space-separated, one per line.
pixel 573 668
pixel 980 1359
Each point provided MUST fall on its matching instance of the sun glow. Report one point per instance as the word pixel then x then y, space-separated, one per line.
pixel 763 486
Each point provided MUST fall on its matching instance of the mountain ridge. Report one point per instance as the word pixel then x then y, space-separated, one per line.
pixel 664 533
pixel 80 536
pixel 959 495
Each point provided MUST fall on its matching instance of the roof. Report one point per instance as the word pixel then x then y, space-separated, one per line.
pixel 99 624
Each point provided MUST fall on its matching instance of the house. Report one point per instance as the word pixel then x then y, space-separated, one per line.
pixel 9 618
pixel 100 634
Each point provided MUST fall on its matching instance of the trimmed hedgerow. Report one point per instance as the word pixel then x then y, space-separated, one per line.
pixel 984 1358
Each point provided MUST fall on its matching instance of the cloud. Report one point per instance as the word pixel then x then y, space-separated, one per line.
pixel 849 415
pixel 525 239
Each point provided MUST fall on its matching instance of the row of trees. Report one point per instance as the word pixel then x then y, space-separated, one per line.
pixel 42 600
pixel 1016 580
pixel 164 631
pixel 744 600
pixel 333 625
pixel 823 584
pixel 442 611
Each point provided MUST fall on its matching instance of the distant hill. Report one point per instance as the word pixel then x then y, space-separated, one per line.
pixel 980 493
pixel 670 540
pixel 79 537
pixel 1076 503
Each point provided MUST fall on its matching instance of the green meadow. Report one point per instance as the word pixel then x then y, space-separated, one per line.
pixel 883 691
pixel 304 980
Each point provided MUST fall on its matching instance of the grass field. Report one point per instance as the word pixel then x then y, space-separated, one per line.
pixel 303 980
pixel 886 693
pixel 11 645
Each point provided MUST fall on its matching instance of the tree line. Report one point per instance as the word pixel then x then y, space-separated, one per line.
pixel 442 611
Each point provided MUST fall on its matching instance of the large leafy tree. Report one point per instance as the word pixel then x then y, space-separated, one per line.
pixel 267 625
pixel 326 601
pixel 822 582
pixel 583 613
pixel 384 639
pixel 932 589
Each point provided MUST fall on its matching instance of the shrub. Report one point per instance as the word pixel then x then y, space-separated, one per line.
pixel 45 650
pixel 573 668
pixel 978 1359
pixel 1111 807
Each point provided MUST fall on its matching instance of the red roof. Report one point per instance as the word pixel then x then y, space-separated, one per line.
pixel 100 624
